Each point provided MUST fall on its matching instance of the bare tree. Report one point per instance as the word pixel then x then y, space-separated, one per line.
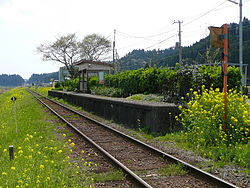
pixel 95 47
pixel 65 50
pixel 68 50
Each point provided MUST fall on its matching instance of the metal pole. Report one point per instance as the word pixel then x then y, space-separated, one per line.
pixel 241 45
pixel 243 83
pixel 225 65
pixel 114 51
pixel 180 48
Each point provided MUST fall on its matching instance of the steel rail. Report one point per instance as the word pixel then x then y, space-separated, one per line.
pixel 198 172
pixel 132 175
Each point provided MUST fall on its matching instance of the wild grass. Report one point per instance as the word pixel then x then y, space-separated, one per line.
pixel 42 90
pixel 149 97
pixel 41 158
pixel 112 175
pixel 173 170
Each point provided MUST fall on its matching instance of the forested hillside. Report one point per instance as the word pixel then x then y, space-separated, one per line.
pixel 11 80
pixel 43 78
pixel 199 53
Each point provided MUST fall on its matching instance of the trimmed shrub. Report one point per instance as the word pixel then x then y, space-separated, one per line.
pixel 174 84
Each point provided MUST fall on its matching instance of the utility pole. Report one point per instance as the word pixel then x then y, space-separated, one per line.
pixel 240 41
pixel 116 60
pixel 241 46
pixel 114 49
pixel 179 44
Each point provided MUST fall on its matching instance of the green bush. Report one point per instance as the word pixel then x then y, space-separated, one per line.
pixel 92 82
pixel 106 91
pixel 203 118
pixel 57 84
pixel 71 85
pixel 204 125
pixel 174 84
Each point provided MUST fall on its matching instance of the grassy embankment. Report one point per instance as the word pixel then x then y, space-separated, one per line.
pixel 221 154
pixel 42 157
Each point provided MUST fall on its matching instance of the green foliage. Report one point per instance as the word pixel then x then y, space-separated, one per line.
pixel 41 156
pixel 173 83
pixel 57 84
pixel 71 85
pixel 150 97
pixel 204 123
pixel 203 118
pixel 212 76
pixel 107 91
pixel 43 78
pixel 92 82
pixel 11 80
pixel 148 80
pixel 173 170
pixel 42 90
pixel 113 175
pixel 194 54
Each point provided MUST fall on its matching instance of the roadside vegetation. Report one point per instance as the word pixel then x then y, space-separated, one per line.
pixel 206 131
pixel 41 157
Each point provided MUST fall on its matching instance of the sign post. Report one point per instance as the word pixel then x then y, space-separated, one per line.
pixel 219 39
pixel 225 79
pixel 14 101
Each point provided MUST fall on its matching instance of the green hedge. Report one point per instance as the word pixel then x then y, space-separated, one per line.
pixel 174 83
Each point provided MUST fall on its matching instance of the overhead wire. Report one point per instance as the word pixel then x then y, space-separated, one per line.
pixel 204 14
pixel 216 8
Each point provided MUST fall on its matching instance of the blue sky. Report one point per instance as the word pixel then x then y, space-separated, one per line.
pixel 139 23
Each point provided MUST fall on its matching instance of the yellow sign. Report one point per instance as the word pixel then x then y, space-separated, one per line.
pixel 216 37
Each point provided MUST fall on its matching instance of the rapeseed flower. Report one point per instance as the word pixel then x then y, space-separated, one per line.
pixel 41 166
pixel 72 144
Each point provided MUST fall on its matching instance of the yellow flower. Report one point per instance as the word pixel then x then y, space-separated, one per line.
pixel 72 144
pixel 20 181
pixel 13 168
pixel 4 173
pixel 82 151
pixel 60 151
pixel 64 135
pixel 41 166
pixel 4 150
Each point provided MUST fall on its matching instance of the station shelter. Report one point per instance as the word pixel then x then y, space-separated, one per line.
pixel 88 68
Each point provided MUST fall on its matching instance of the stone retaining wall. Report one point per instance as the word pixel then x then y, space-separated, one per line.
pixel 158 117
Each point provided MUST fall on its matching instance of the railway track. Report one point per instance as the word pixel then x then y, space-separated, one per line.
pixel 142 164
